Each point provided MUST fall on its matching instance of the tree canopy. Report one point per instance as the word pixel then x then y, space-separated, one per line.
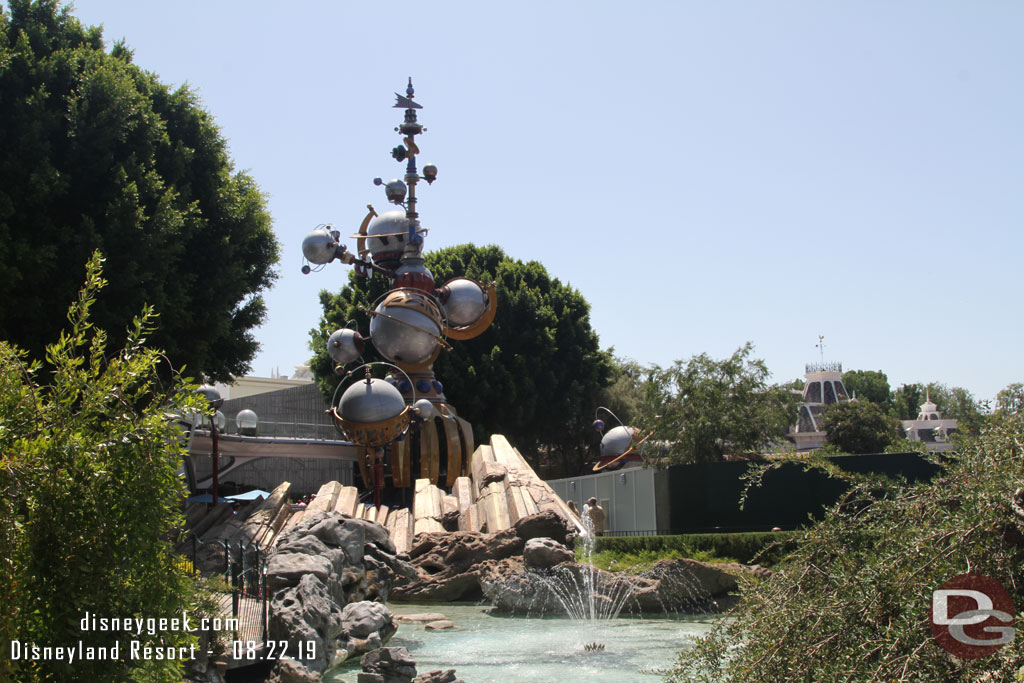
pixel 860 427
pixel 98 154
pixel 872 385
pixel 534 375
pixel 707 409
pixel 89 497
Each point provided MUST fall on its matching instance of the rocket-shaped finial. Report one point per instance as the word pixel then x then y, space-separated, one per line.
pixel 404 102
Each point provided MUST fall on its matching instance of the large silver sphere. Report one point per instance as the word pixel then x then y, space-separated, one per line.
pixel 465 302
pixel 246 421
pixel 404 334
pixel 372 400
pixel 344 346
pixel 616 441
pixel 387 224
pixel 319 247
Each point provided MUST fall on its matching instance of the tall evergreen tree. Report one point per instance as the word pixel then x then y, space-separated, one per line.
pixel 98 154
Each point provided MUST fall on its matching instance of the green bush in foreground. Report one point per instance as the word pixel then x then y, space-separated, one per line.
pixel 89 499
pixel 852 601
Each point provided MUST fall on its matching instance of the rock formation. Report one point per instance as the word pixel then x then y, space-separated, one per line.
pixel 329 577
pixel 448 565
pixel 394 665
pixel 582 591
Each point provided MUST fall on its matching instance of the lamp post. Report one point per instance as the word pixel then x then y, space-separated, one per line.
pixel 215 400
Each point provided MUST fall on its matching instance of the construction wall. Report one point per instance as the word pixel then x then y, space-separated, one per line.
pixel 307 475
pixel 627 496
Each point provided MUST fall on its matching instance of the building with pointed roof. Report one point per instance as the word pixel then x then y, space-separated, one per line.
pixel 824 386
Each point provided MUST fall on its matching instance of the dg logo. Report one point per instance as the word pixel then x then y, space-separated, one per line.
pixel 972 616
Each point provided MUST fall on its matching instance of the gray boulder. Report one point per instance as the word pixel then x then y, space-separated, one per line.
pixel 391 664
pixel 545 552
pixel 307 612
pixel 288 670
pixel 366 626
pixel 287 570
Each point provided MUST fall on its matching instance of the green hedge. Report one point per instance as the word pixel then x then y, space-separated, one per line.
pixel 743 547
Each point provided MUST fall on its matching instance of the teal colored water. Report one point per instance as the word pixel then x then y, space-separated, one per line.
pixel 484 648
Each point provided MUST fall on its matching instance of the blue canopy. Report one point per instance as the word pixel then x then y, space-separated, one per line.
pixel 240 498
pixel 255 494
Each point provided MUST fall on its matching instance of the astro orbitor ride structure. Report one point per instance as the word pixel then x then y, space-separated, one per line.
pixel 402 423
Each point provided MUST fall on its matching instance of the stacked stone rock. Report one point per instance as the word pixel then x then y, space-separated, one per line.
pixel 394 665
pixel 329 578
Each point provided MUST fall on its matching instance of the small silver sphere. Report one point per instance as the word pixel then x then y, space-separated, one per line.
pixel 464 303
pixel 616 441
pixel 344 346
pixel 395 191
pixel 319 247
pixel 425 409
pixel 373 400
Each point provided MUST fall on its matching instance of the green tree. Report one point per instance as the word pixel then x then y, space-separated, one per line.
pixel 89 496
pixel 851 602
pixel 859 427
pixel 707 409
pixel 1010 400
pixel 98 154
pixel 534 375
pixel 957 403
pixel 624 393
pixel 871 385
pixel 907 400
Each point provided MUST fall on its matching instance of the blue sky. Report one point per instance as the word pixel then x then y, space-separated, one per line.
pixel 704 173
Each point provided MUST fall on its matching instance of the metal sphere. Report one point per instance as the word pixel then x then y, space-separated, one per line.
pixel 616 441
pixel 386 234
pixel 319 247
pixel 424 408
pixel 246 421
pixel 372 400
pixel 344 345
pixel 598 425
pixel 464 302
pixel 406 327
pixel 395 191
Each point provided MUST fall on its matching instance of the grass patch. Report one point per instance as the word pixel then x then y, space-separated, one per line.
pixel 764 548
pixel 640 560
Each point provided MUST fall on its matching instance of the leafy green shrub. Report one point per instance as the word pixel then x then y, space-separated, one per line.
pixel 852 601
pixel 89 499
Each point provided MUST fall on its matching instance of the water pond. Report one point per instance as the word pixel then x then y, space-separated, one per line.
pixel 483 648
